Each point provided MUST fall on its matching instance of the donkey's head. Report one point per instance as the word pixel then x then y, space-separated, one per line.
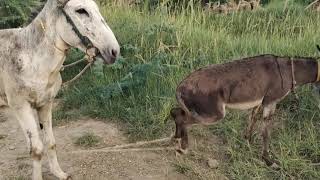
pixel 82 26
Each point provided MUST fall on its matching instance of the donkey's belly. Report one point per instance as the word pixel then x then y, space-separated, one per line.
pixel 244 105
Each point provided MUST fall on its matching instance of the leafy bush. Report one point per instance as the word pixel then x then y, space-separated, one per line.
pixel 14 13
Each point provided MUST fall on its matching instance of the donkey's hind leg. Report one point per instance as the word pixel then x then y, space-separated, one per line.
pixel 217 113
pixel 177 114
pixel 251 123
pixel 179 117
pixel 268 112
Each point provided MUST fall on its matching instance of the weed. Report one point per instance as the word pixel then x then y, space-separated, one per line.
pixel 87 140
pixel 182 168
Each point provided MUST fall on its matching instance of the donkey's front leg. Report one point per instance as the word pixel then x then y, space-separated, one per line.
pixel 45 117
pixel 26 117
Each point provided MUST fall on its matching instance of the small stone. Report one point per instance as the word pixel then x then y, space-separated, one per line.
pixel 2 120
pixel 13 131
pixel 213 163
pixel 3 136
pixel 12 148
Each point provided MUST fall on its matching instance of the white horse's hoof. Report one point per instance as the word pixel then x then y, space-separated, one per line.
pixel 63 176
pixel 68 177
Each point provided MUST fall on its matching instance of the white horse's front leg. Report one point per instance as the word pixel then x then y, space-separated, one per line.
pixel 45 117
pixel 25 115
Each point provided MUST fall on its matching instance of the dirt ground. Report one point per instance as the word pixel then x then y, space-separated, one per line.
pixel 16 164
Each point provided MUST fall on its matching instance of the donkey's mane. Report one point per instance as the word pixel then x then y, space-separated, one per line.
pixel 35 12
pixel 288 57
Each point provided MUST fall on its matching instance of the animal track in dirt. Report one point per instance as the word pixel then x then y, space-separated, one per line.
pixel 141 165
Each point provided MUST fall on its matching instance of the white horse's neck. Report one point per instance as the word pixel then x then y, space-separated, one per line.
pixel 48 49
pixel 42 33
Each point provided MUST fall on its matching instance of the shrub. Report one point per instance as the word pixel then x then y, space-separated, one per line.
pixel 14 13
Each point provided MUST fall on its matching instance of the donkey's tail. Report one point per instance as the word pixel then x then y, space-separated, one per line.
pixel 182 104
pixel 318 47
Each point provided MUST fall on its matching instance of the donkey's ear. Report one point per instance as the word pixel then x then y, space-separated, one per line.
pixel 63 2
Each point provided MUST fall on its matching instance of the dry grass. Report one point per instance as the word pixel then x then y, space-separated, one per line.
pixel 315 5
pixel 233 6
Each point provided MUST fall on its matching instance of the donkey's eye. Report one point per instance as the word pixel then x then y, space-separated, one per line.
pixel 82 12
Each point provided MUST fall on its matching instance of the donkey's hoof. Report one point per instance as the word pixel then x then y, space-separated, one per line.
pixel 181 151
pixel 69 177
pixel 275 166
pixel 267 160
pixel 178 153
pixel 271 162
pixel 177 141
pixel 249 139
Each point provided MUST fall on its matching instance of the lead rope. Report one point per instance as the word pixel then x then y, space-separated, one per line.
pixel 90 59
pixel 67 83
pixel 131 147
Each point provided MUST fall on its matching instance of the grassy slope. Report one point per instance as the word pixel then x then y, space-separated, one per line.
pixel 178 43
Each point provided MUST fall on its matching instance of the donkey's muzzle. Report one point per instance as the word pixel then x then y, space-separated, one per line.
pixel 109 56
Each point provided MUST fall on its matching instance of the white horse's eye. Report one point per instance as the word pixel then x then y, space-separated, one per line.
pixel 83 12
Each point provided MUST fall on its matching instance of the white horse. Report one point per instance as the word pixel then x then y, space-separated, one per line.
pixel 30 63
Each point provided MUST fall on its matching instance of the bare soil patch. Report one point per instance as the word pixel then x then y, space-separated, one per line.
pixel 16 164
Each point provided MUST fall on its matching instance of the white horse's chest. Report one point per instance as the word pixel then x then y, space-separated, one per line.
pixel 44 80
pixel 35 78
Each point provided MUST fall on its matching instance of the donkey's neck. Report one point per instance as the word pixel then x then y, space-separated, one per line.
pixel 42 35
pixel 305 70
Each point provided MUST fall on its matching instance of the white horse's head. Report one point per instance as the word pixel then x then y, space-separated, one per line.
pixel 82 26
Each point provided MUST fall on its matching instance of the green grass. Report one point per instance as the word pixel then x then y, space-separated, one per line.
pixel 160 48
pixel 87 140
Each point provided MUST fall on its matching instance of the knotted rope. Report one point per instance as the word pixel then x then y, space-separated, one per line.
pixel 131 147
pixel 89 57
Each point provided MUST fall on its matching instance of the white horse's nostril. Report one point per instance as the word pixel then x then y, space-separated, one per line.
pixel 114 53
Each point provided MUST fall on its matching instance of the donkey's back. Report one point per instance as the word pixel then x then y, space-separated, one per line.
pixel 240 84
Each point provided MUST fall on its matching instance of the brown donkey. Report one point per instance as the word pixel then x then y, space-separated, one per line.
pixel 260 81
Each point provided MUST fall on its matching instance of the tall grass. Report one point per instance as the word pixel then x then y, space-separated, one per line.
pixel 161 47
